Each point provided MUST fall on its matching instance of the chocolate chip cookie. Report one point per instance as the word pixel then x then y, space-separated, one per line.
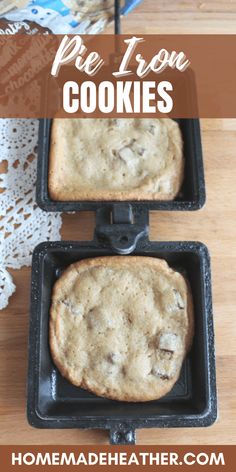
pixel 121 326
pixel 115 159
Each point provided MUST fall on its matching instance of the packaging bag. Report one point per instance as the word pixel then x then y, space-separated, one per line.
pixel 59 16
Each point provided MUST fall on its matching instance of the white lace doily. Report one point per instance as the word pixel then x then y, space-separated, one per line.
pixel 22 224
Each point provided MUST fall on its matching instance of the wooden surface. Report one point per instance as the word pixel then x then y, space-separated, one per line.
pixel 215 225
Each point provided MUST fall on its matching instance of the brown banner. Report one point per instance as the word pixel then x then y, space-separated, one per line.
pixel 25 458
pixel 106 76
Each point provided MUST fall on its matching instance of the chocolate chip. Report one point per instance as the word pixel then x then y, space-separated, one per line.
pixel 164 377
pixel 132 141
pixel 178 299
pixel 125 154
pixel 151 129
pixel 168 342
pixel 66 303
pixel 166 354
pixel 159 374
pixel 76 310
pixel 111 357
pixel 141 151
pixel 167 350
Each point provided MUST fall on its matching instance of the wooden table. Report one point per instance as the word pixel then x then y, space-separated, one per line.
pixel 215 225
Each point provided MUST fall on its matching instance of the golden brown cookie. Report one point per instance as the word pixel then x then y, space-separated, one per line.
pixel 115 159
pixel 120 326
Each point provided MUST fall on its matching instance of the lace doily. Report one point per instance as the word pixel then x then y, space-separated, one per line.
pixel 22 224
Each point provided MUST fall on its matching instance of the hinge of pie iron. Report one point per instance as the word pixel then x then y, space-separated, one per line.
pixel 122 226
pixel 122 435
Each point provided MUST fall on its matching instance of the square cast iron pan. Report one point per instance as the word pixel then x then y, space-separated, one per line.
pixel 192 194
pixel 55 403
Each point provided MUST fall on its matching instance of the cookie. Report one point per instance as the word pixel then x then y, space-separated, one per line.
pixel 120 326
pixel 115 159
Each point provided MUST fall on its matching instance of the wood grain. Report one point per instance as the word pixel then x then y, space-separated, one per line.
pixel 215 225
pixel 182 17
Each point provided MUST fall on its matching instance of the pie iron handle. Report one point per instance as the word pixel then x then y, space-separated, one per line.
pixel 122 434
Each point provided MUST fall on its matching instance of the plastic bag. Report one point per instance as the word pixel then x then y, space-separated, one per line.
pixel 59 16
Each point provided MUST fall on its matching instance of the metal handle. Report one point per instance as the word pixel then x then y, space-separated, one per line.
pixel 117 17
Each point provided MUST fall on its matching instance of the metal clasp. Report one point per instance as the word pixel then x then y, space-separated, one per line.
pixel 122 226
